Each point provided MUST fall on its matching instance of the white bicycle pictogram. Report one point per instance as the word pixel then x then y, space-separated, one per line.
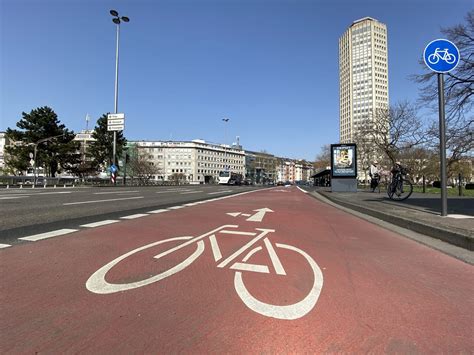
pixel 97 281
pixel 444 55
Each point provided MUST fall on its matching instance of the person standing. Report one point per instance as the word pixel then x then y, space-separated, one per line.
pixel 374 174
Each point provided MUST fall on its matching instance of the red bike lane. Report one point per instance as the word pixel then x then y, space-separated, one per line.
pixel 318 280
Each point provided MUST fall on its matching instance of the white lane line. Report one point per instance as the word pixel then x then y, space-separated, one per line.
pixel 97 201
pixel 133 216
pixel 26 194
pixel 190 192
pixel 218 192
pixel 12 197
pixel 158 211
pixel 459 216
pixel 114 192
pixel 299 188
pixel 191 204
pixel 98 224
pixel 175 207
pixel 34 238
pixel 4 246
pixel 170 192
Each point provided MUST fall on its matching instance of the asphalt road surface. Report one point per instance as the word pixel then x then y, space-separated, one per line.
pixel 31 211
pixel 266 271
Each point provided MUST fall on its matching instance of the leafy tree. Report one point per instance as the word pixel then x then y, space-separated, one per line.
pixel 55 147
pixel 101 150
pixel 459 94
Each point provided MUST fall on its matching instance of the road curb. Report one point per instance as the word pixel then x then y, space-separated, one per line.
pixel 449 236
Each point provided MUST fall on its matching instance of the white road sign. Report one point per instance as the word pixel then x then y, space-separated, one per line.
pixel 115 115
pixel 115 127
pixel 112 122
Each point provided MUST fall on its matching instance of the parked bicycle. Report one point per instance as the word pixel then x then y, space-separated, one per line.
pixel 400 188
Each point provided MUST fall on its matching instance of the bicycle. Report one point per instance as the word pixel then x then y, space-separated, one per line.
pixel 399 188
pixel 444 55
pixel 98 284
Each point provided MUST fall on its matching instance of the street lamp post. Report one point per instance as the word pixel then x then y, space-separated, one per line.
pixel 117 20
pixel 226 120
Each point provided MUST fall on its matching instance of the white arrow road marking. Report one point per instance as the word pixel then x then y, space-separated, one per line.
pixel 4 246
pixel 234 214
pixel 258 217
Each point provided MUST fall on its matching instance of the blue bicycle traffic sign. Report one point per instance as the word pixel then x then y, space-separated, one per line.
pixel 113 168
pixel 441 55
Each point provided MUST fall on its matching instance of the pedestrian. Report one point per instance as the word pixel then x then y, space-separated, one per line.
pixel 374 174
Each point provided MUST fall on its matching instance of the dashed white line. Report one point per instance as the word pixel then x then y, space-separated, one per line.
pixel 158 211
pixel 114 192
pixel 98 224
pixel 133 216
pixel 97 201
pixel 175 207
pixel 34 238
pixel 4 246
pixel 12 197
pixel 190 192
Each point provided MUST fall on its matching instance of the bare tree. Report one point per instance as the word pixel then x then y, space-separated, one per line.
pixel 323 159
pixel 141 168
pixel 459 91
pixel 394 130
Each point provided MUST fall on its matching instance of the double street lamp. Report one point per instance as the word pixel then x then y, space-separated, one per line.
pixel 117 20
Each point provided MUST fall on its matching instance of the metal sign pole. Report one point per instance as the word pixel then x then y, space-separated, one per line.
pixel 442 146
pixel 442 56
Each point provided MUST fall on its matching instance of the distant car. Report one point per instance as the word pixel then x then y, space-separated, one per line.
pixel 280 183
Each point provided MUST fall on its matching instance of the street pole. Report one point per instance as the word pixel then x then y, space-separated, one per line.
pixel 226 120
pixel 442 146
pixel 34 164
pixel 117 20
pixel 116 87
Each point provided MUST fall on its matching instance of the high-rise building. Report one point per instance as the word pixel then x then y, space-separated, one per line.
pixel 363 76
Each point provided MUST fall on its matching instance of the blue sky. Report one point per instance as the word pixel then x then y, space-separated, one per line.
pixel 271 66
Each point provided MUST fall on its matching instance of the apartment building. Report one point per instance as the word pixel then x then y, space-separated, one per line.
pixel 3 143
pixel 260 167
pixel 363 77
pixel 196 162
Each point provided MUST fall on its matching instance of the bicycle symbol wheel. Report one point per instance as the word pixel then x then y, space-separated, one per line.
pixel 433 58
pixel 289 312
pixel 450 58
pixel 97 283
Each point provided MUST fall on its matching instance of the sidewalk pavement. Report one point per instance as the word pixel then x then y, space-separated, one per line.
pixel 420 213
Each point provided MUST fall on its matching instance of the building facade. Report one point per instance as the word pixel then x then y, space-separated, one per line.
pixel 260 167
pixel 363 76
pixel 3 143
pixel 195 162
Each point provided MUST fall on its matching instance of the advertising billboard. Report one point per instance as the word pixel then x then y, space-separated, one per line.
pixel 343 160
